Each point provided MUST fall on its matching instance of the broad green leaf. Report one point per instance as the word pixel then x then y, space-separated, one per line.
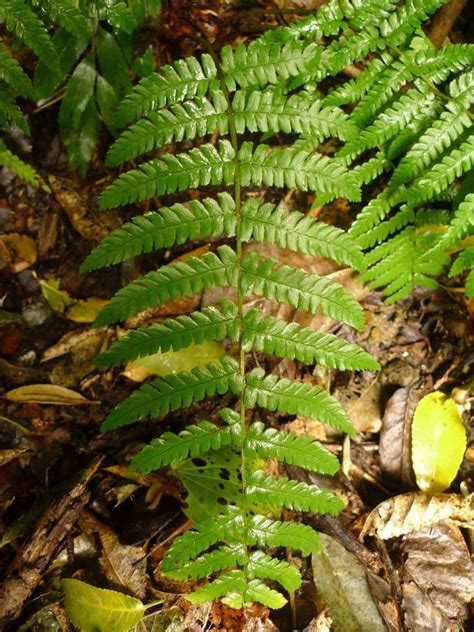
pixel 112 62
pixel 438 442
pixel 174 361
pixel 94 609
pixel 81 147
pixel 107 101
pixel 79 91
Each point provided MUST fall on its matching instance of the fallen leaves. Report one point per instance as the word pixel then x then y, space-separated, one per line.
pixel 81 311
pixel 46 394
pixel 414 511
pixel 17 252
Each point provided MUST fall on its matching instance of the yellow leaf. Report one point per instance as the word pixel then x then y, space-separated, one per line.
pixel 85 311
pixel 438 439
pixel 56 298
pixel 46 394
pixel 173 361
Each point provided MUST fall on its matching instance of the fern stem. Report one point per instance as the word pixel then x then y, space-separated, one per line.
pixel 240 302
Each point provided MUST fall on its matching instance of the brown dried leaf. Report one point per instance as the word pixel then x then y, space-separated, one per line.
pixel 414 511
pixel 421 615
pixel 438 561
pixel 123 565
pixel 394 446
pixel 18 251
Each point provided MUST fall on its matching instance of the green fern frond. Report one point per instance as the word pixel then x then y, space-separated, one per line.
pixel 191 442
pixel 227 583
pixel 282 492
pixel 68 15
pixel 263 566
pixel 210 563
pixel 295 398
pixel 199 167
pixel 182 278
pixel 290 340
pixel 176 391
pixel 465 261
pixel 185 79
pixel 164 228
pixel 301 537
pixel 225 527
pixel 407 260
pixel 13 74
pixel 18 166
pixel 461 225
pixel 26 25
pixel 309 292
pixel 259 592
pixel 433 182
pixel 379 233
pixel 290 448
pixel 178 333
pixel 432 144
pixel 298 232
pixel 371 215
pixel 368 171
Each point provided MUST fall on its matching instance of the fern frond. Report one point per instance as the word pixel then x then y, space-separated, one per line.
pixel 13 74
pixel 263 566
pixel 198 167
pixel 295 398
pixel 433 182
pixel 164 228
pixel 225 527
pixel 298 232
pixel 186 121
pixel 465 261
pixel 292 168
pixel 371 215
pixel 26 25
pixel 191 442
pixel 404 261
pixel 309 292
pixel 18 166
pixel 176 391
pixel 174 333
pixel 283 492
pixel 436 140
pixel 259 592
pixel 290 340
pixel 367 171
pixel 461 225
pixel 209 563
pixel 69 16
pixel 381 231
pixel 182 278
pixel 301 537
pixel 288 447
pixel 185 79
pixel 231 582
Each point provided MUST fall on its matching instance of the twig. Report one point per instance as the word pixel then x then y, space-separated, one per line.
pixel 444 21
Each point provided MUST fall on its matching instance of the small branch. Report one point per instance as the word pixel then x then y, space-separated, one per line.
pixel 444 21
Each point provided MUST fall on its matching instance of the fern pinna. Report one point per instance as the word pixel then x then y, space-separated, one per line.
pixel 238 518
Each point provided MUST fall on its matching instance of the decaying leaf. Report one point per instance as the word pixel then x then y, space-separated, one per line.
pixel 438 561
pixel 94 609
pixel 17 251
pixel 123 565
pixel 174 361
pixel 341 583
pixel 78 350
pixel 394 446
pixel 438 442
pixel 80 311
pixel 421 615
pixel 411 512
pixel 171 620
pixel 46 394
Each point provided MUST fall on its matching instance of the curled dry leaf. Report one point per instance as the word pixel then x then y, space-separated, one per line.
pixel 80 311
pixel 438 442
pixel 438 561
pixel 123 565
pixel 414 511
pixel 394 446
pixel 46 394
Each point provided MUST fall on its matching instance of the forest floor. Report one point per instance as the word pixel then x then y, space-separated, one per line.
pixel 69 505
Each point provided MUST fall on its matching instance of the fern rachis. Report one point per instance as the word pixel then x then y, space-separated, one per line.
pixel 241 91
